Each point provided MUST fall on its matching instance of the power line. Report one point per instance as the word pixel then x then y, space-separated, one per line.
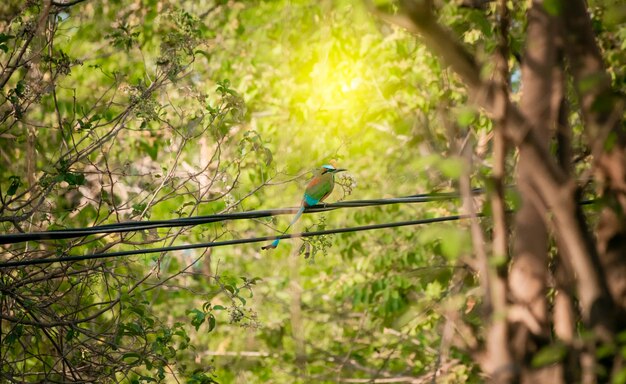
pixel 197 220
pixel 249 240
pixel 231 242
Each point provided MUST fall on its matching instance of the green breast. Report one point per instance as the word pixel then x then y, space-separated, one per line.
pixel 320 186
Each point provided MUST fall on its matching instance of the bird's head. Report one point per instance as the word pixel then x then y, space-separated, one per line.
pixel 331 169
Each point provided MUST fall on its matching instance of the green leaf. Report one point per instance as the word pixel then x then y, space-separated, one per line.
pixel 138 310
pixel 591 82
pixel 151 149
pixel 605 350
pixel 135 358
pixel 212 322
pixel 549 355
pixel 4 37
pixel 206 54
pixel 433 290
pixel 20 88
pixel 133 329
pixel 198 318
pixel 466 117
pixel 620 377
pixel 14 185
pixel 139 208
pixel 553 7
pixel 621 337
pixel 71 334
pixel 454 242
pixel 451 168
pixel 74 179
pixel 14 334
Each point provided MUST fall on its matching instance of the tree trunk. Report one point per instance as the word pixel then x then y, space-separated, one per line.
pixel 589 271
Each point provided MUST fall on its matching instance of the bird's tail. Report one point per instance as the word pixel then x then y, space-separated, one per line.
pixel 274 243
pixel 296 217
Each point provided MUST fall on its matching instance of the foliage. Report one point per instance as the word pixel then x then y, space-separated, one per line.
pixel 131 110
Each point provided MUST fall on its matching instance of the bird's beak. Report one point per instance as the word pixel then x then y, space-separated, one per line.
pixel 339 170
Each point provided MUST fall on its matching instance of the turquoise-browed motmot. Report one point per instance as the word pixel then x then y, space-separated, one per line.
pixel 320 186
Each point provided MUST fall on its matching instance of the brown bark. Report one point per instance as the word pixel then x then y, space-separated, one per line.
pixel 556 190
pixel 564 316
pixel 587 275
pixel 497 362
pixel 528 275
pixel 498 350
pixel 602 112
pixel 498 329
pixel 31 157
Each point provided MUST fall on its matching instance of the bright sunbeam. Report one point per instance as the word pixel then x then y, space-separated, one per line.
pixel 337 86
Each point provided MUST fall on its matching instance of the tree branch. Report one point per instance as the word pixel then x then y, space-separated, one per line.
pixel 602 112
pixel 12 67
pixel 68 4
pixel 548 179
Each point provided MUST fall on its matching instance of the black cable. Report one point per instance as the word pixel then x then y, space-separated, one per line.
pixel 246 241
pixel 231 242
pixel 196 220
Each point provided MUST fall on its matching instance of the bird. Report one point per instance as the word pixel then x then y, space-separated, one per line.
pixel 318 189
